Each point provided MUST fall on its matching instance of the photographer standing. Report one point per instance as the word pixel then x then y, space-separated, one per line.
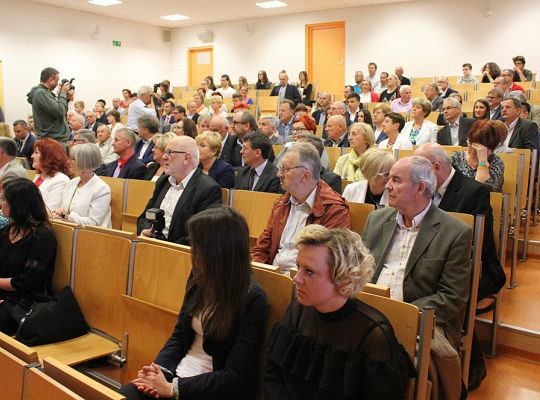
pixel 48 110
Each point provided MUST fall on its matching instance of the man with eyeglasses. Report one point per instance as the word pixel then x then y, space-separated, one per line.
pixel 456 129
pixel 308 200
pixel 181 192
pixel 494 99
pixel 128 166
pixel 508 76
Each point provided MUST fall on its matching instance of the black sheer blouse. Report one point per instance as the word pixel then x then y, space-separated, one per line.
pixel 351 353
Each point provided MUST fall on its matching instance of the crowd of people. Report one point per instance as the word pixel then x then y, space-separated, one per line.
pixel 409 244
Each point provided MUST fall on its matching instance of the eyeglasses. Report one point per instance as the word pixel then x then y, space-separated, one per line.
pixel 448 108
pixel 298 129
pixel 78 141
pixel 283 169
pixel 168 152
pixel 384 175
pixel 238 122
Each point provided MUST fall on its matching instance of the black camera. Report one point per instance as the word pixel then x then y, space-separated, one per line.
pixel 64 81
pixel 156 87
pixel 156 216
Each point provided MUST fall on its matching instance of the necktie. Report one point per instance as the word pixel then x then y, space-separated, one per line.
pixel 251 179
pixel 437 198
pixel 19 146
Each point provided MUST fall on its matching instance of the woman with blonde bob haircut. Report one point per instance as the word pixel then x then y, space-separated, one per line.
pixel 329 344
pixel 375 166
pixel 361 139
pixel 209 149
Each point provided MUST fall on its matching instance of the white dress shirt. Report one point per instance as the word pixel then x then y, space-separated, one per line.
pixel 393 271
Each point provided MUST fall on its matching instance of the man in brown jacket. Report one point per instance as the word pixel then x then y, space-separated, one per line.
pixel 308 200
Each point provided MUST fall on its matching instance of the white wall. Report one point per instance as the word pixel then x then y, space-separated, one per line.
pixel 34 36
pixel 427 37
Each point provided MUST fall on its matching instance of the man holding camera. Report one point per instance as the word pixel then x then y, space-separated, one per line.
pixel 49 111
pixel 182 191
pixel 142 106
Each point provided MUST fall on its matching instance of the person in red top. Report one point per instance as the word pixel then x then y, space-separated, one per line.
pixel 508 76
pixel 308 200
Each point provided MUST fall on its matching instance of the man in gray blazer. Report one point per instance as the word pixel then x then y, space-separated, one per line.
pixel 421 252
pixel 9 165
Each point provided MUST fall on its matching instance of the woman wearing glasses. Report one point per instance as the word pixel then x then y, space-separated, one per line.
pixel 375 167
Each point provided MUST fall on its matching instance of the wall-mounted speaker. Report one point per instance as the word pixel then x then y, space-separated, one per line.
pixel 205 36
pixel 166 36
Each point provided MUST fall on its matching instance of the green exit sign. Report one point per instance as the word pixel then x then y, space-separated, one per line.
pixel 117 43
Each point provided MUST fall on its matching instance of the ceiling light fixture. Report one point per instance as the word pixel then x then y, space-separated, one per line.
pixel 105 3
pixel 175 17
pixel 271 4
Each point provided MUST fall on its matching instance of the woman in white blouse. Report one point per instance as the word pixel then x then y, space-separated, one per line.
pixel 51 163
pixel 87 198
pixel 420 130
pixel 375 165
pixel 392 125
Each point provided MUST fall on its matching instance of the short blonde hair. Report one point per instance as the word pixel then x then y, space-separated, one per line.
pixel 375 161
pixel 424 103
pixel 366 131
pixel 217 98
pixel 161 140
pixel 350 261
pixel 213 139
pixel 385 107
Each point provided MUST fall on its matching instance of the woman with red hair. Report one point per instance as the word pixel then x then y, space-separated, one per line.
pixel 51 163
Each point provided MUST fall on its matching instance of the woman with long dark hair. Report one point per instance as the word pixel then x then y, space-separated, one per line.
pixel 27 249
pixel 262 81
pixel 215 349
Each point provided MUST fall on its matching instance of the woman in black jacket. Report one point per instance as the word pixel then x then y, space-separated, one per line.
pixel 215 349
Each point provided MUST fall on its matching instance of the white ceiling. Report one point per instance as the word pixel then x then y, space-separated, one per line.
pixel 204 11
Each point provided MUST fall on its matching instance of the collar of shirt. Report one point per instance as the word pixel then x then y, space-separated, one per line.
pixel 417 220
pixel 3 168
pixel 259 170
pixel 183 183
pixel 512 125
pixel 444 186
pixel 310 201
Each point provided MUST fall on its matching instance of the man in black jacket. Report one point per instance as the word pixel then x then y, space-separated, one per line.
pixel 258 174
pixel 182 191
pixel 128 166
pixel 456 130
pixel 286 91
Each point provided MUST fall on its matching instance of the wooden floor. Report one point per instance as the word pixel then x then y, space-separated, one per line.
pixel 509 375
pixel 509 378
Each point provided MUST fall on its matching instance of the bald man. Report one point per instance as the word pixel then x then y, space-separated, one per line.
pixel 336 128
pixel 182 191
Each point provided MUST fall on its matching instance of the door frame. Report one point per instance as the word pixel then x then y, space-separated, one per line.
pixel 309 41
pixel 196 49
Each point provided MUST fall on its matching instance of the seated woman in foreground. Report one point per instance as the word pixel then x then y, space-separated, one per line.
pixel 87 198
pixel 215 349
pixel 27 249
pixel 330 345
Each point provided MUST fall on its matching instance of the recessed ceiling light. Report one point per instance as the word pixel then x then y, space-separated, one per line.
pixel 175 17
pixel 104 3
pixel 271 4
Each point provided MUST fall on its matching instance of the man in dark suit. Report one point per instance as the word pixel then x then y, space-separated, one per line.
pixel 459 193
pixel 423 255
pixel 23 140
pixel 286 91
pixel 148 126
pixel 403 80
pixel 494 99
pixel 258 174
pixel 128 166
pixel 182 191
pixel 324 100
pixel 336 127
pixel 192 111
pixel 353 107
pixel 91 121
pixel 220 125
pixel 456 130
pixel 444 87
pixel 522 133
